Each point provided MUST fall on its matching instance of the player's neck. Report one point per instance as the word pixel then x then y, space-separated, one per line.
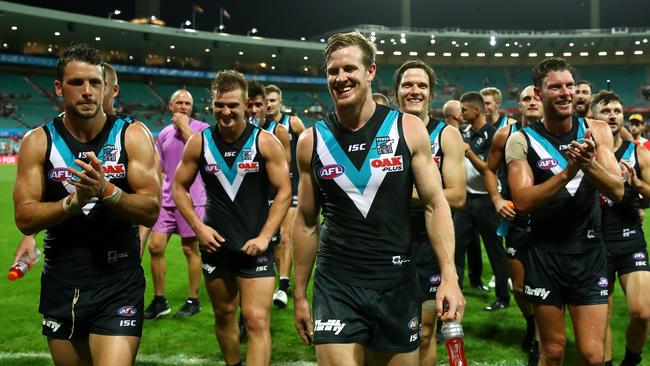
pixel 452 122
pixel 478 123
pixel 277 117
pixel 618 140
pixel 495 117
pixel 356 116
pixel 84 129
pixel 559 126
pixel 231 133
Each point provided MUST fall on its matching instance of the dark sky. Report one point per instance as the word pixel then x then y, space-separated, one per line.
pixel 310 18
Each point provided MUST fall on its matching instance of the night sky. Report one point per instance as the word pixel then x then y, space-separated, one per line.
pixel 293 19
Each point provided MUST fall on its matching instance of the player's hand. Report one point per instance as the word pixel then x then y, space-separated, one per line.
pixel 449 293
pixel 630 175
pixel 582 153
pixel 209 238
pixel 302 319
pixel 91 181
pixel 181 120
pixel 255 246
pixel 26 246
pixel 505 209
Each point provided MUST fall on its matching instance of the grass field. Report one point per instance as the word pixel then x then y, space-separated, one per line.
pixel 490 338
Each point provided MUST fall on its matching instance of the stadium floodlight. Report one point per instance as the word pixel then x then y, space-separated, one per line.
pixel 273 55
pixel 303 38
pixel 638 52
pixel 480 54
pixel 645 40
pixel 567 54
pixel 14 28
pixel 584 54
pixel 114 12
pixel 447 54
pixel 432 41
pixel 252 31
pixel 221 27
pixel 241 53
pixel 397 53
pixel 263 65
pixel 431 54
pixel 186 23
pixel 532 54
pixel 619 53
pixel 602 53
pixel 571 44
pixel 305 58
pixel 413 53
pixel 322 40
pixel 637 43
pixel 464 54
pixel 514 54
pixel 272 67
pixel 207 50
pixel 171 47
pixel 56 34
pixel 379 52
pixel 498 54
pixel 98 38
pixel 548 54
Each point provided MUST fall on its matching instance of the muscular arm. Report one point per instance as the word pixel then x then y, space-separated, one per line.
pixel 31 214
pixel 297 125
pixel 183 179
pixel 604 172
pixel 304 237
pixel 143 205
pixel 278 173
pixel 494 159
pixel 478 163
pixel 642 183
pixel 283 136
pixel 437 215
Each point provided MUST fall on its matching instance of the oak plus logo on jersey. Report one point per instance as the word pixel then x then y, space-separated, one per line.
pixel 248 166
pixel 331 171
pixel 114 171
pixel 546 164
pixel 212 168
pixel 331 325
pixel 391 164
pixel 59 174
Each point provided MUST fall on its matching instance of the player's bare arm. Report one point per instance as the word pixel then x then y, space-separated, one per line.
pixel 494 159
pixel 31 214
pixel 604 170
pixel 283 136
pixel 640 183
pixel 278 173
pixel 183 179
pixel 304 237
pixel 296 125
pixel 437 216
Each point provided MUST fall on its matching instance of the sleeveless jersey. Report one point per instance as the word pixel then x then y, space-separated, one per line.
pixel 622 226
pixel 364 183
pixel 569 222
pixel 416 211
pixel 501 122
pixel 94 247
pixel 293 142
pixel 236 184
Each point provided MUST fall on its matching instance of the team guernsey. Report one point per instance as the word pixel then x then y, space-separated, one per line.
pixel 96 247
pixel 236 184
pixel 285 121
pixel 501 122
pixel 364 185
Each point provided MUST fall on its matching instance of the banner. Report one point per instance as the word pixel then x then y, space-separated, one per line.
pixel 8 159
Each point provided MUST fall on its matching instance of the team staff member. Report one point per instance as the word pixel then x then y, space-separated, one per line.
pixel 413 88
pixel 171 141
pixel 623 232
pixel 556 169
pixel 295 127
pixel 88 179
pixel 359 165
pixel 239 163
pixel 531 112
pixel 478 214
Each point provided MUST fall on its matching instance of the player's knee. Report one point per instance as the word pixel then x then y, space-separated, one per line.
pixel 256 322
pixel 594 356
pixel 156 249
pixel 224 312
pixel 640 312
pixel 553 352
pixel 425 336
pixel 190 250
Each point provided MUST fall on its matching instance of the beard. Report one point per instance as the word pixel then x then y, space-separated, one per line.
pixel 82 114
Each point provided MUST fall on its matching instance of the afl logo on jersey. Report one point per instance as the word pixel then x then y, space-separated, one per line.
pixel 212 169
pixel 548 163
pixel 127 311
pixel 392 164
pixel 59 174
pixel 249 166
pixel 331 171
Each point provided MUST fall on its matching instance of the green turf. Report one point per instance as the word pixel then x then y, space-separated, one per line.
pixel 491 338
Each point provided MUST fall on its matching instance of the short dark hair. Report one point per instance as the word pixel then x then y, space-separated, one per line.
pixel 414 64
pixel 603 97
pixel 585 82
pixel 474 98
pixel 255 88
pixel 77 52
pixel 342 40
pixel 541 70
pixel 229 80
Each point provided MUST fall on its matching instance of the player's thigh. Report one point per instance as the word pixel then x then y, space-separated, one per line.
pixel 340 354
pixel 113 350
pixel 635 285
pixel 70 353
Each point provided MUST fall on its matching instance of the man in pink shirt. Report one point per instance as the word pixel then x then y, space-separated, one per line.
pixel 170 144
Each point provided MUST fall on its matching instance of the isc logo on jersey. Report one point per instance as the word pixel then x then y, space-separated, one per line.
pixel 331 171
pixel 249 166
pixel 547 163
pixel 114 171
pixel 392 164
pixel 212 168
pixel 59 174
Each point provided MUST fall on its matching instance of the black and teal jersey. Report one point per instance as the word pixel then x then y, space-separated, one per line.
pixel 236 184
pixel 293 142
pixel 92 248
pixel 270 126
pixel 502 173
pixel 416 212
pixel 622 226
pixel 501 122
pixel 569 222
pixel 364 182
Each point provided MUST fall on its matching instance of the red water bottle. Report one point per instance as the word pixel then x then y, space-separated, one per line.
pixel 452 333
pixel 20 268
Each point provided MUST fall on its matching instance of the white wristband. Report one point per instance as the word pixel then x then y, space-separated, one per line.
pixel 114 198
pixel 71 204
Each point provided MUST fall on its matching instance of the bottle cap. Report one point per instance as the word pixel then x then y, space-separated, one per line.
pixel 13 275
pixel 451 330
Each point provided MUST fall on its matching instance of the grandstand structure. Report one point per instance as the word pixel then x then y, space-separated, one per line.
pixel 153 61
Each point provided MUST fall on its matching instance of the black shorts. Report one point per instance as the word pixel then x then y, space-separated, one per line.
pixel 558 279
pixel 427 269
pixel 516 242
pixel 385 320
pixel 226 263
pixel 633 261
pixel 115 310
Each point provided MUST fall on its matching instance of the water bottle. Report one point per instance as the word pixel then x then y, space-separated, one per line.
pixel 502 229
pixel 452 333
pixel 20 268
